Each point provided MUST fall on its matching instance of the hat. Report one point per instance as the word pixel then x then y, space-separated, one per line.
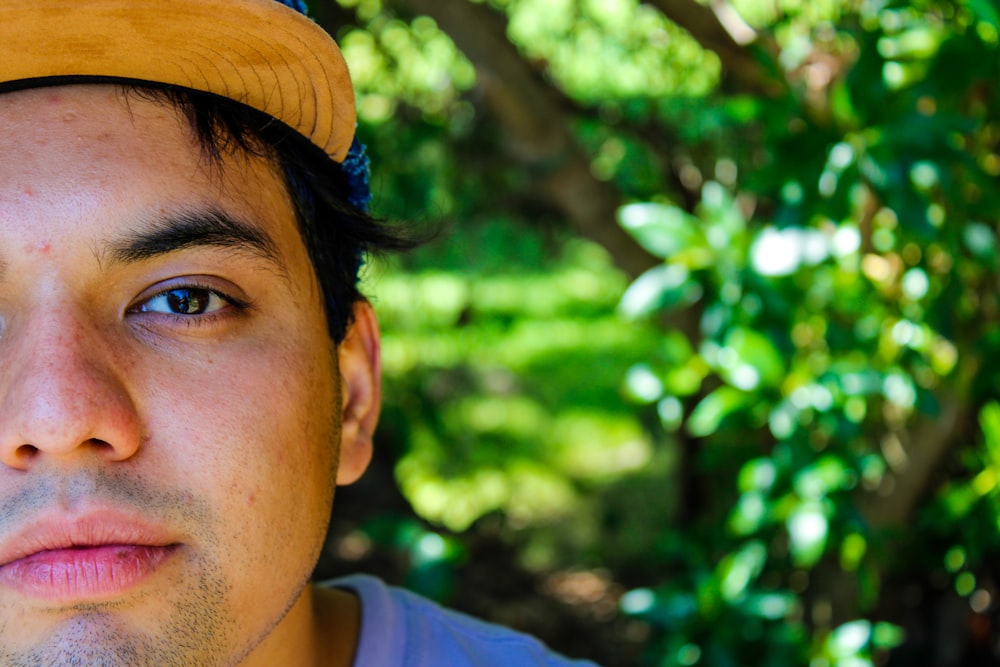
pixel 260 53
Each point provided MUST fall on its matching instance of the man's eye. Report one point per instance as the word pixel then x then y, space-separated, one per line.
pixel 185 301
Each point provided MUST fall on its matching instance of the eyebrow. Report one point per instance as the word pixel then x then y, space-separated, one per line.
pixel 193 229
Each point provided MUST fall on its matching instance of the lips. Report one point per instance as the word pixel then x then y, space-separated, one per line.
pixel 91 558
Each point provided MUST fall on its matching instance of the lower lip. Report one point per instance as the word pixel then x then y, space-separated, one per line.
pixel 80 574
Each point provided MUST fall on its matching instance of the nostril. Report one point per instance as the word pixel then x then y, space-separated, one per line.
pixel 25 454
pixel 100 445
pixel 106 449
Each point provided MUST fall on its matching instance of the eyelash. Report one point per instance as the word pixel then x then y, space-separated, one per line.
pixel 195 319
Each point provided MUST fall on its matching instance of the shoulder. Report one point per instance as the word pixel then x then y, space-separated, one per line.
pixel 402 629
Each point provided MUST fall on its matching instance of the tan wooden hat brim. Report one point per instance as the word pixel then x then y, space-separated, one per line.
pixel 257 52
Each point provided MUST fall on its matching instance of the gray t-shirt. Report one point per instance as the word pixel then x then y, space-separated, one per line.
pixel 402 629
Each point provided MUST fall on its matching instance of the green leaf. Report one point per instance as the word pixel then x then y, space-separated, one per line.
pixel 740 569
pixel 958 500
pixel 709 413
pixel 642 384
pixel 671 413
pixel 742 109
pixel 749 514
pixel 772 606
pixel 756 361
pixel 917 43
pixel 852 550
pixel 676 347
pixel 887 635
pixel 981 241
pixel 757 475
pixel 989 421
pixel 662 230
pixel 808 528
pixel 722 216
pixel 828 474
pixel 985 10
pixel 850 638
pixel 662 287
pixel 686 379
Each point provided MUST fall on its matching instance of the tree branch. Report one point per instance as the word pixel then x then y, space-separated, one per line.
pixel 920 450
pixel 718 28
pixel 536 127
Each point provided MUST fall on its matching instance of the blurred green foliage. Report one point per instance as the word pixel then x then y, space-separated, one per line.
pixel 782 441
pixel 507 382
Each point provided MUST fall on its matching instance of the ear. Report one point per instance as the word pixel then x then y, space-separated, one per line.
pixel 360 358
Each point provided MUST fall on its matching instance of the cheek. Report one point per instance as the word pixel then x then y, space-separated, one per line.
pixel 254 431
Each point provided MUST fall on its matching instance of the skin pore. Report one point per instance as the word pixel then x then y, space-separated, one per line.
pixel 166 365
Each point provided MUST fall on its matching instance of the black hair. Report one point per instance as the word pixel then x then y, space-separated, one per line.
pixel 338 236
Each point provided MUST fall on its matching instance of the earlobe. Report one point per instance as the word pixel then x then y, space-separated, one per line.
pixel 360 359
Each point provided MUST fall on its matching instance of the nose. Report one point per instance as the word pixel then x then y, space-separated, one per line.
pixel 61 397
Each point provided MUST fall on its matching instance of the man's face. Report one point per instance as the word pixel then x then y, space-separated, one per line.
pixel 169 398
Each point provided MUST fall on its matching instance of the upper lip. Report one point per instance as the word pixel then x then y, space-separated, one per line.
pixel 93 529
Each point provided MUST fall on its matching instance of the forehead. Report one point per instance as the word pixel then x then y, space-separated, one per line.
pixel 97 120
pixel 98 147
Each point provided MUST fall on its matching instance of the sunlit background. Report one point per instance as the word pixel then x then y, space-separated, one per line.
pixel 700 368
